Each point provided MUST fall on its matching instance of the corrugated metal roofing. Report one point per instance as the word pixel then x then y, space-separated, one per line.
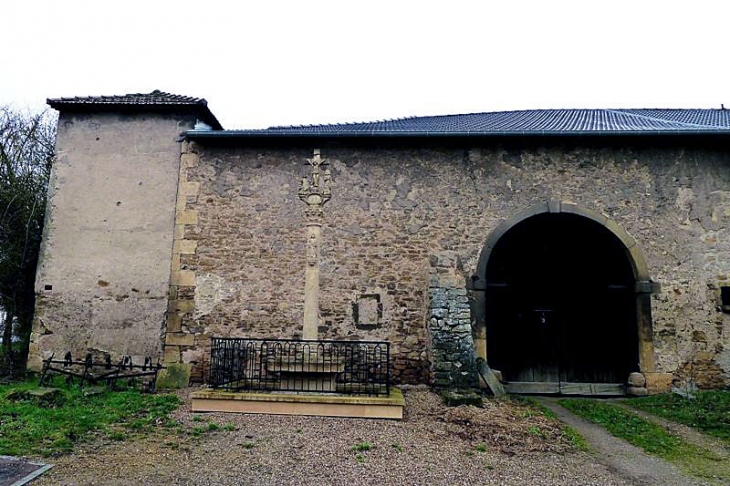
pixel 155 99
pixel 524 122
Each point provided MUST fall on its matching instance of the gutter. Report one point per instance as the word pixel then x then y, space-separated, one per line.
pixel 302 134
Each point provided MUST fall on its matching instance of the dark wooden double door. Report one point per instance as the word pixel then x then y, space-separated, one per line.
pixel 560 307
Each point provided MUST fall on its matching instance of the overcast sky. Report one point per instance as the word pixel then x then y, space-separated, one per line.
pixel 263 63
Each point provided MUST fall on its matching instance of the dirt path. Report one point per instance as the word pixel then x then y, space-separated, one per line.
pixel 620 457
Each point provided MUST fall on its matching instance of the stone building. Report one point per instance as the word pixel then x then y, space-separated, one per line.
pixel 564 246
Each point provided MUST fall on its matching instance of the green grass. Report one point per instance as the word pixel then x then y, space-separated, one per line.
pixel 621 423
pixel 650 437
pixel 575 438
pixel 709 412
pixel 27 428
pixel 362 446
pixel 534 407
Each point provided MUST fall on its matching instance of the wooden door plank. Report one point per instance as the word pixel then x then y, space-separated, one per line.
pixel 532 387
pixel 599 389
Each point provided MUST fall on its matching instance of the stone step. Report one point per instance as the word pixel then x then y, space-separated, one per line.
pixel 361 387
pixel 305 367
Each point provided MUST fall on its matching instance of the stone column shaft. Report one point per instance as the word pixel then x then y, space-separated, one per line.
pixel 311 284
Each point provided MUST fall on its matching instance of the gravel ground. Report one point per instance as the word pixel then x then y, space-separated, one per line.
pixel 503 443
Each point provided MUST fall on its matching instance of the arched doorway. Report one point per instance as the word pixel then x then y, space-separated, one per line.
pixel 558 305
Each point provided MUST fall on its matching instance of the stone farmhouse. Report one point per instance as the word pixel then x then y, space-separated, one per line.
pixel 569 249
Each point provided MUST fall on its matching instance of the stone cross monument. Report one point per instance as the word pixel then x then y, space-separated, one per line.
pixel 315 191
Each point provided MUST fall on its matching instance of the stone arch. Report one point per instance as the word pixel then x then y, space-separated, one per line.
pixel 643 287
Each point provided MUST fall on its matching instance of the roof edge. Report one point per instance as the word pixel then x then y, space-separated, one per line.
pixel 137 103
pixel 373 134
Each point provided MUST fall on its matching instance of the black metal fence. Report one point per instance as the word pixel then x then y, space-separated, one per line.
pixel 349 367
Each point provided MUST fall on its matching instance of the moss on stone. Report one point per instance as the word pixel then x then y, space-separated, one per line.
pixel 173 376
pixel 454 398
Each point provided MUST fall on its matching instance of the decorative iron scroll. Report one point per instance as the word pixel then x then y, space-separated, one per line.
pixel 321 366
pixel 97 372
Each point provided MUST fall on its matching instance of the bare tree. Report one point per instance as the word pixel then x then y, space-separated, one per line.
pixel 26 154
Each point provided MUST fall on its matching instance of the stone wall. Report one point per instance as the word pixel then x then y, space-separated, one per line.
pixel 394 210
pixel 450 326
pixel 103 280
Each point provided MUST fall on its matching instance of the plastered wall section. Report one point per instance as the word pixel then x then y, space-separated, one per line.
pixel 395 211
pixel 103 279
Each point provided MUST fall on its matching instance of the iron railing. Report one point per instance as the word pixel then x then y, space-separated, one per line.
pixel 321 366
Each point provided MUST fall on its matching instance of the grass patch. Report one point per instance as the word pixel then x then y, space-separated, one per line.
pixel 650 437
pixel 535 407
pixel 31 428
pixel 532 407
pixel 575 438
pixel 708 412
pixel 362 446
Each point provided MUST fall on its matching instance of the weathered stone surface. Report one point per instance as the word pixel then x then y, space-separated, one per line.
pixel 658 382
pixel 636 380
pixel 173 376
pixel 637 391
pixel 249 232
pixel 452 346
pixel 44 396
pixel 455 397
pixel 104 272
pixel 179 339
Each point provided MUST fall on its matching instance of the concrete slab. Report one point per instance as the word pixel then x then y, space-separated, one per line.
pixel 15 471
pixel 389 407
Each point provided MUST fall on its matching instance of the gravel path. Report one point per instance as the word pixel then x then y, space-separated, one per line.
pixel 503 443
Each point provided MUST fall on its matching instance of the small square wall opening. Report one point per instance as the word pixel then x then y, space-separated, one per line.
pixel 725 298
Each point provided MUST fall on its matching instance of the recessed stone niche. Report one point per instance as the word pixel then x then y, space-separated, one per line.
pixel 367 311
pixel 725 298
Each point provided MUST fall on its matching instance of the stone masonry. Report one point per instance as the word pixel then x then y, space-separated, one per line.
pixel 450 325
pixel 398 208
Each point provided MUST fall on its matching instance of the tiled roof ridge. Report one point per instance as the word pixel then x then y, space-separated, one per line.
pixel 156 100
pixel 346 124
pixel 155 97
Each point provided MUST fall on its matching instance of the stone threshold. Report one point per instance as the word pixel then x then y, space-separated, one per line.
pixel 565 388
pixel 280 403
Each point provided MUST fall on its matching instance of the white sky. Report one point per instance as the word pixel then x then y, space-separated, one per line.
pixel 262 63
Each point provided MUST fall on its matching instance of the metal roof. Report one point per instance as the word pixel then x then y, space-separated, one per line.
pixel 156 100
pixel 511 123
